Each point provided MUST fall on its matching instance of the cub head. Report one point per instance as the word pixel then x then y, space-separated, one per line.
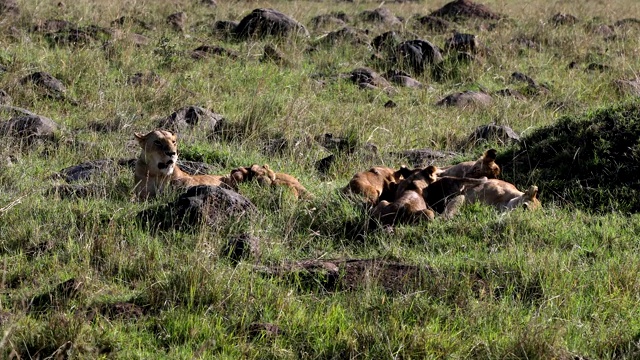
pixel 262 174
pixel 159 151
pixel 485 166
pixel 530 198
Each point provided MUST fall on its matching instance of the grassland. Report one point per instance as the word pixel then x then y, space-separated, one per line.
pixel 558 283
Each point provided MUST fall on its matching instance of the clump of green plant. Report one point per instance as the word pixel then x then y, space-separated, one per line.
pixel 589 161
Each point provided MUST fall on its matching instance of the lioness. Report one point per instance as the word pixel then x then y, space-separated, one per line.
pixel 376 184
pixel 156 166
pixel 410 207
pixel 265 176
pixel 485 166
pixel 503 195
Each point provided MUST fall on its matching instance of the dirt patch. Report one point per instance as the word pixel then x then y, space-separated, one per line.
pixel 589 161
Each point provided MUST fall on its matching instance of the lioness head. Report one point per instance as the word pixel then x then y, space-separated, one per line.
pixel 159 151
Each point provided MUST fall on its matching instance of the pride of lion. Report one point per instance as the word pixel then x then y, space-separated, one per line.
pixel 394 195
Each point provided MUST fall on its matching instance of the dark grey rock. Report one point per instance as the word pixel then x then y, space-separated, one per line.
pixel 402 79
pixel 386 42
pixel 212 206
pixel 462 42
pixel 493 132
pixel 348 35
pixel 191 117
pixel 367 77
pixel 419 158
pixel 30 127
pixel 9 7
pixel 334 18
pixel 50 84
pixel 268 22
pixel 241 247
pixel 87 170
pixel 465 9
pixel 208 50
pixel 466 98
pixel 563 19
pixel 417 55
pixel 380 15
pixel 434 24
pixel 177 20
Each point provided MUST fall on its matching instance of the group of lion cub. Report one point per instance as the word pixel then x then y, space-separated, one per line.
pixel 397 196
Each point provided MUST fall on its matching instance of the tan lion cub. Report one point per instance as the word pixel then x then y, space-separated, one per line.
pixel 265 176
pixel 485 166
pixel 376 184
pixel 408 208
pixel 156 166
pixel 503 195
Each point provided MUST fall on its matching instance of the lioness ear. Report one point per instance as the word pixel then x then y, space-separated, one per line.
pixel 140 137
pixel 490 155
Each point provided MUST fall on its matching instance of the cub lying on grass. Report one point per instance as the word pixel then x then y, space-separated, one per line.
pixel 376 184
pixel 265 176
pixel 485 166
pixel 503 195
pixel 409 206
pixel 156 166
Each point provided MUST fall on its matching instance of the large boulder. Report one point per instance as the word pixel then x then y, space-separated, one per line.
pixel 209 205
pixel 264 22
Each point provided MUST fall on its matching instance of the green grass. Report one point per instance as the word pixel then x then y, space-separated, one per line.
pixel 558 283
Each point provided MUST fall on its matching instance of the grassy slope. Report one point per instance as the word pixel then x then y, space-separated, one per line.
pixel 543 285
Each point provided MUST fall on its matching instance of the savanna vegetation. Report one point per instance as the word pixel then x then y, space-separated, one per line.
pixel 87 274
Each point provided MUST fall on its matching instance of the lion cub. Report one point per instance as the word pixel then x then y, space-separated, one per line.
pixel 485 166
pixel 156 166
pixel 503 195
pixel 409 205
pixel 376 184
pixel 265 176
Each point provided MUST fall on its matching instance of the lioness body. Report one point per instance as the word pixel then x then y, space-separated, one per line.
pixel 157 167
pixel 485 166
pixel 503 195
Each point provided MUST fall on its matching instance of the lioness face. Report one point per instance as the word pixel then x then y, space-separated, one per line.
pixel 159 150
